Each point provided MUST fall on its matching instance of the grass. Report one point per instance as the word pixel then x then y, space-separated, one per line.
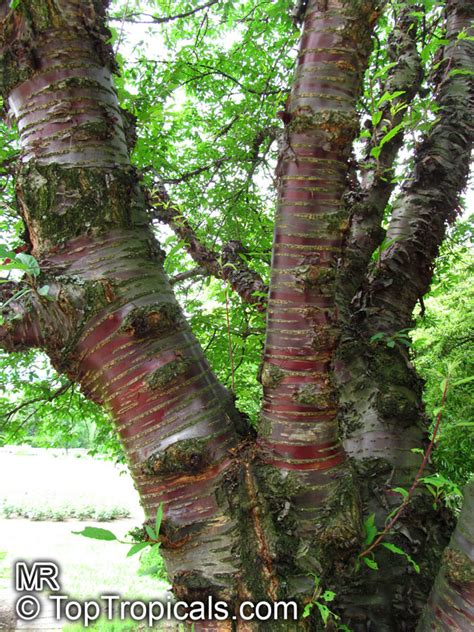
pixel 4 568
pixel 47 489
pixel 151 563
pixel 151 571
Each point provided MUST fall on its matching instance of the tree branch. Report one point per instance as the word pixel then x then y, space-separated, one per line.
pixel 429 200
pixel 169 18
pixel 184 177
pixel 219 71
pixel 189 274
pixel 43 398
pixel 229 265
pixel 19 329
pixel 368 202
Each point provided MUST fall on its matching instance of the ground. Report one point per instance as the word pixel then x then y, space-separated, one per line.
pixel 50 483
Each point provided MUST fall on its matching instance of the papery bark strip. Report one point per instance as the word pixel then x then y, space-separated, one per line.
pixel 298 430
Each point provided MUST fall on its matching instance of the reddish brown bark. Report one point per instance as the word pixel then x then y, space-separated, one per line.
pixel 112 322
pixel 243 519
pixel 299 431
pixel 450 607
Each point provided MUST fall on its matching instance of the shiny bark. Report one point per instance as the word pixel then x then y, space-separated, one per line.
pixel 299 430
pixel 111 321
pixel 244 519
pixel 450 607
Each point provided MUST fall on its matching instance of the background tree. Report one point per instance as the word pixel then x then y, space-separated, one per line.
pixel 356 235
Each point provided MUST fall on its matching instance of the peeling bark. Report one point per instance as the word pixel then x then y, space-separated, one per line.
pixel 298 430
pixel 19 330
pixel 367 203
pixel 243 519
pixel 429 200
pixel 112 323
pixel 381 414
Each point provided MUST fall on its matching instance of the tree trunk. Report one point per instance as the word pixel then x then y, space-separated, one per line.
pixel 110 320
pixel 298 430
pixel 450 607
pixel 245 517
pixel 382 415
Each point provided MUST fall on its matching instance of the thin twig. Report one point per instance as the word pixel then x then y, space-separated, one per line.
pixel 168 18
pixel 189 274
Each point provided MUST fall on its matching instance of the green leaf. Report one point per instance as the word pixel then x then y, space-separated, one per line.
pixel 378 336
pixel 30 263
pixel 328 595
pixel 463 381
pixel 389 135
pixel 375 152
pixel 461 71
pixel 398 551
pixel 462 35
pixel 6 252
pixel 376 116
pixel 370 530
pixel 150 532
pixel 389 96
pixel 393 548
pixel 307 609
pixel 413 563
pixel 136 548
pixel 43 290
pixel 158 519
pixel 401 490
pixel 323 611
pixel 383 71
pixel 96 533
pixel 371 563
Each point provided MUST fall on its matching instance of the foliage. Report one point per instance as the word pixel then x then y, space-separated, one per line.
pixel 442 343
pixel 40 408
pixel 205 90
pixel 151 563
pixel 151 537
pixel 370 533
pixel 319 601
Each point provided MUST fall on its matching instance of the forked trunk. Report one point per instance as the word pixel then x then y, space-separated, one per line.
pixel 111 321
pixel 245 517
